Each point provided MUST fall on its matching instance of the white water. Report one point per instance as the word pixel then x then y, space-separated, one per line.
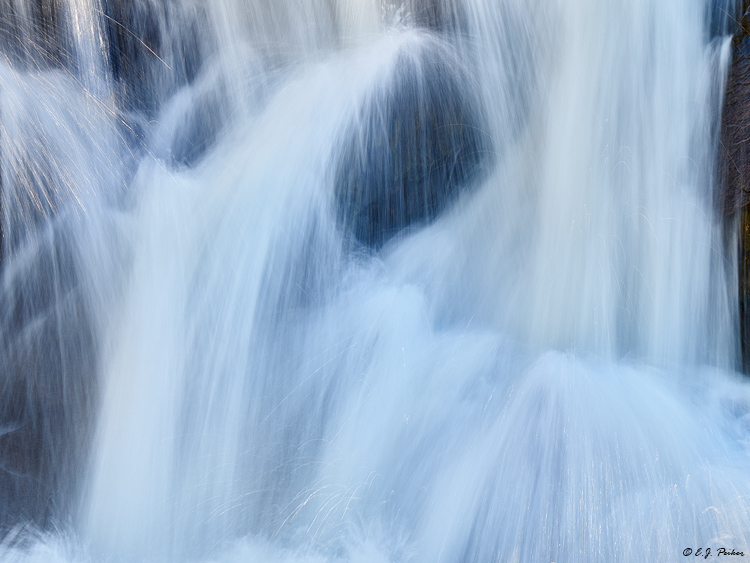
pixel 545 373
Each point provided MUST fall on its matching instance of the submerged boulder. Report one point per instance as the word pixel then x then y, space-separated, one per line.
pixel 416 144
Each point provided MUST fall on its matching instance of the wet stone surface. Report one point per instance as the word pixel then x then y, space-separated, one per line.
pixel 734 153
pixel 415 147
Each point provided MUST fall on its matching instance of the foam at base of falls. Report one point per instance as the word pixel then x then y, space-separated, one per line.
pixel 516 462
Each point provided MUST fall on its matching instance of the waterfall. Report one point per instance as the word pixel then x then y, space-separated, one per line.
pixel 358 280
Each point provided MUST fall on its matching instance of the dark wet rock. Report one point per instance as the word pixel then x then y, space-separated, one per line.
pixel 743 275
pixel 734 167
pixel 153 49
pixel 735 133
pixel 723 16
pixel 199 128
pixel 438 15
pixel 47 386
pixel 11 43
pixel 415 146
pixel 135 49
pixel 34 37
pixel 57 151
pixel 148 43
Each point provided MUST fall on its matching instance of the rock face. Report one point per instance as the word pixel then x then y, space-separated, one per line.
pixel 439 15
pixel 32 34
pixel 735 167
pixel 417 142
pixel 723 16
pixel 152 47
pixel 47 388
pixel 735 136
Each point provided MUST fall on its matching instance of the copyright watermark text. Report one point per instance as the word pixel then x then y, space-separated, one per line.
pixel 708 552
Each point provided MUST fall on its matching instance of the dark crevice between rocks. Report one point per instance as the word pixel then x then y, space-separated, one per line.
pixel 734 167
pixel 415 145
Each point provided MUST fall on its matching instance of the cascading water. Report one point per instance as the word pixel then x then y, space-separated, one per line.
pixel 358 280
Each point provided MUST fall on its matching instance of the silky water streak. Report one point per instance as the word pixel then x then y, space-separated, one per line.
pixel 367 281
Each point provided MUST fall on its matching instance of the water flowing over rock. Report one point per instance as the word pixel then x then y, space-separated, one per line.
pixel 368 281
pixel 412 148
pixel 48 388
pixel 147 61
pixel 33 34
